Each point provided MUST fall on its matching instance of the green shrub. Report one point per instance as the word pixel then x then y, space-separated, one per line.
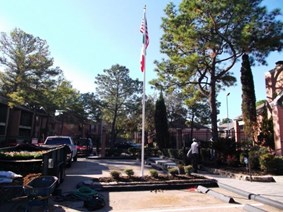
pixel 173 153
pixel 152 152
pixel 129 172
pixel 153 173
pixel 275 166
pixel 165 152
pixel 257 155
pixel 188 169
pixel 254 158
pixel 231 160
pixel 225 146
pixel 115 174
pixel 204 153
pixel 173 171
pixel 271 164
pixel 181 168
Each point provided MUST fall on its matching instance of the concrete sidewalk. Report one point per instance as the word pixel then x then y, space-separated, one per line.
pixel 270 193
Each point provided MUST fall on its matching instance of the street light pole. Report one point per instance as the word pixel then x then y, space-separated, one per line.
pixel 228 132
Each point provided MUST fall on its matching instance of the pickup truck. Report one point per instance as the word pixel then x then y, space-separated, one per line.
pixel 64 140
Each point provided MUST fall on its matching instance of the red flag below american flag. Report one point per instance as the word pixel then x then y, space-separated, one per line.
pixel 144 31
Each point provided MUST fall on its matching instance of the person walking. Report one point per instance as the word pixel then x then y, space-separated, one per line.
pixel 194 155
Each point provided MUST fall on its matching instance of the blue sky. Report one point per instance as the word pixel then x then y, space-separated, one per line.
pixel 87 36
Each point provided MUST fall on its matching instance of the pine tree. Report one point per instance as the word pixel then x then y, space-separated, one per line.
pixel 119 95
pixel 203 40
pixel 28 69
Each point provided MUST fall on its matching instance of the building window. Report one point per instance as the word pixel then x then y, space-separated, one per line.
pixel 24 133
pixel 3 113
pixel 26 119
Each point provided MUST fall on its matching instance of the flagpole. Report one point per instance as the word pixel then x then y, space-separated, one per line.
pixel 143 121
pixel 143 96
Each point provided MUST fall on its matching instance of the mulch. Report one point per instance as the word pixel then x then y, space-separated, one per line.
pixel 146 178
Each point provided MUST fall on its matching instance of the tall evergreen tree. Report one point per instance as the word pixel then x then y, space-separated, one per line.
pixel 204 39
pixel 248 98
pixel 92 106
pixel 161 123
pixel 175 109
pixel 28 72
pixel 119 94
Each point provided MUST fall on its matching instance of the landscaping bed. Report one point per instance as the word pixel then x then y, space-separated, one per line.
pixel 241 174
pixel 147 178
pixel 162 182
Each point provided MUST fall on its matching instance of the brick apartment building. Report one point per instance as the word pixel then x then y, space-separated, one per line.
pixel 20 124
pixel 274 106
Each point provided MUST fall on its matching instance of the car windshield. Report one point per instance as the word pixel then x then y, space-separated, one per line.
pixel 57 141
pixel 82 142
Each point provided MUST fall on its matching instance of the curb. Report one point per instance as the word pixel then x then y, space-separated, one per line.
pixel 235 190
pixel 227 199
pixel 255 197
pixel 251 208
pixel 267 201
pixel 221 196
pixel 202 189
pixel 215 194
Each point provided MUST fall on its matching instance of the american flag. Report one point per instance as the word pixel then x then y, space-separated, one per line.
pixel 144 31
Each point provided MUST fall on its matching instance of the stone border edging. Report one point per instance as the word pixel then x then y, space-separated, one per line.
pixel 265 178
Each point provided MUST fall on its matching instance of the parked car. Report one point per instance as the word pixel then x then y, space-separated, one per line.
pixel 84 146
pixel 64 140
pixel 127 145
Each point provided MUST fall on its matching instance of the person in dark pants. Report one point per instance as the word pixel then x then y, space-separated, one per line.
pixel 195 155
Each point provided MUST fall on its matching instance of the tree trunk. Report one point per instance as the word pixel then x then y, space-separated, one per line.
pixel 213 108
pixel 192 126
pixel 113 131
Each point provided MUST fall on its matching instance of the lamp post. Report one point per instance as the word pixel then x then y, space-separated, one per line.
pixel 228 132
pixel 60 113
